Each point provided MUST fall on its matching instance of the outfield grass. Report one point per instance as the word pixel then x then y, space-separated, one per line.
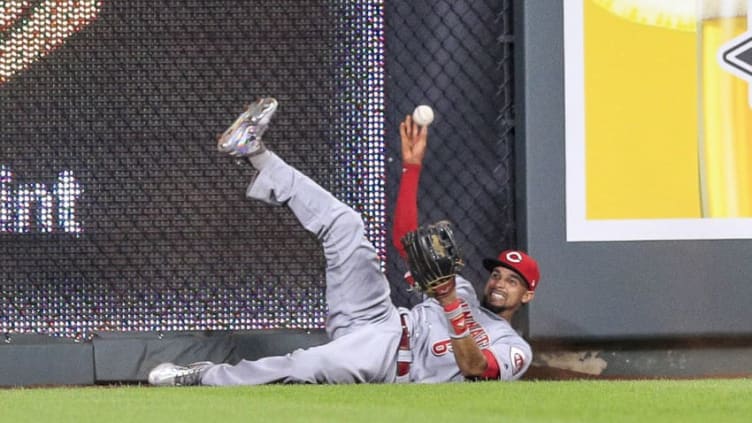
pixel 707 401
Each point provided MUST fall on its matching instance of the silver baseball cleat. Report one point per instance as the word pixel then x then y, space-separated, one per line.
pixel 243 137
pixel 169 374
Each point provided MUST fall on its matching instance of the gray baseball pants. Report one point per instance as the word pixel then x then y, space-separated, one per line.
pixel 363 324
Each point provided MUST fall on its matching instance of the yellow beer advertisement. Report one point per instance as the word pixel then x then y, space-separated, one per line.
pixel 658 128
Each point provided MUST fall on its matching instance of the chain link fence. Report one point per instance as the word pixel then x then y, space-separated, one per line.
pixel 457 57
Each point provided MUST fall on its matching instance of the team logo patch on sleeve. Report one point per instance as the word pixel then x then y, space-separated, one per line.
pixel 517 358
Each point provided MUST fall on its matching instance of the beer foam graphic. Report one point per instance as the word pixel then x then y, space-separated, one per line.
pixel 722 9
pixel 680 15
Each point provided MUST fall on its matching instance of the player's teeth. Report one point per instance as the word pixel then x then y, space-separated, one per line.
pixel 497 296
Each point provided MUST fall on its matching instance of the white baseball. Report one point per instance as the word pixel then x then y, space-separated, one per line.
pixel 423 115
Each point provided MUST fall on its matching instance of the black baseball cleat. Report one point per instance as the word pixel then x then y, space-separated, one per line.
pixel 243 137
pixel 169 374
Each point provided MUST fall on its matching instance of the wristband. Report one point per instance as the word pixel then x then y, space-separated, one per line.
pixel 464 334
pixel 456 316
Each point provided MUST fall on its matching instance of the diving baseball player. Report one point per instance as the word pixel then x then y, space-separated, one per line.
pixel 447 337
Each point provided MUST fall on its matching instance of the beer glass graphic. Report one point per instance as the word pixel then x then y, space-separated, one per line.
pixel 725 114
pixel 724 100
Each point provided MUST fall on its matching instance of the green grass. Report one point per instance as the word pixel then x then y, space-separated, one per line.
pixel 571 401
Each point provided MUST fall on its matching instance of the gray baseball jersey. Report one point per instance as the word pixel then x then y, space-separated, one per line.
pixel 433 360
pixel 363 324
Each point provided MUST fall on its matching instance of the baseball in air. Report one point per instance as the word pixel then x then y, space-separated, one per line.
pixel 423 115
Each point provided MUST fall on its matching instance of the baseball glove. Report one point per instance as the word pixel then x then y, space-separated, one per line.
pixel 433 258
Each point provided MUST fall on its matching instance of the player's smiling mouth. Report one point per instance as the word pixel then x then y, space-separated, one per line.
pixel 498 296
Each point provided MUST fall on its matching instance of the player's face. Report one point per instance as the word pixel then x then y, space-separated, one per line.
pixel 505 290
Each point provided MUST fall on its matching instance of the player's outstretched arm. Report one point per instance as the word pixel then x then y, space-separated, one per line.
pixel 413 140
pixel 434 258
pixel 471 360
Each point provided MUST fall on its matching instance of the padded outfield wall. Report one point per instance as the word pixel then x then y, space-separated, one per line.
pixel 119 222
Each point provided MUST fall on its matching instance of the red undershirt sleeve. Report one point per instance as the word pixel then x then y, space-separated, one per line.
pixel 406 210
pixel 492 372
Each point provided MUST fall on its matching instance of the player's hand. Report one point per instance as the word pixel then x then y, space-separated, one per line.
pixel 414 138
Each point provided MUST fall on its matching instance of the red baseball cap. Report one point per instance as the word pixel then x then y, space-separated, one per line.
pixel 518 261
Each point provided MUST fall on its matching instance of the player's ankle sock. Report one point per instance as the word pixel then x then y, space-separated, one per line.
pixel 261 159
